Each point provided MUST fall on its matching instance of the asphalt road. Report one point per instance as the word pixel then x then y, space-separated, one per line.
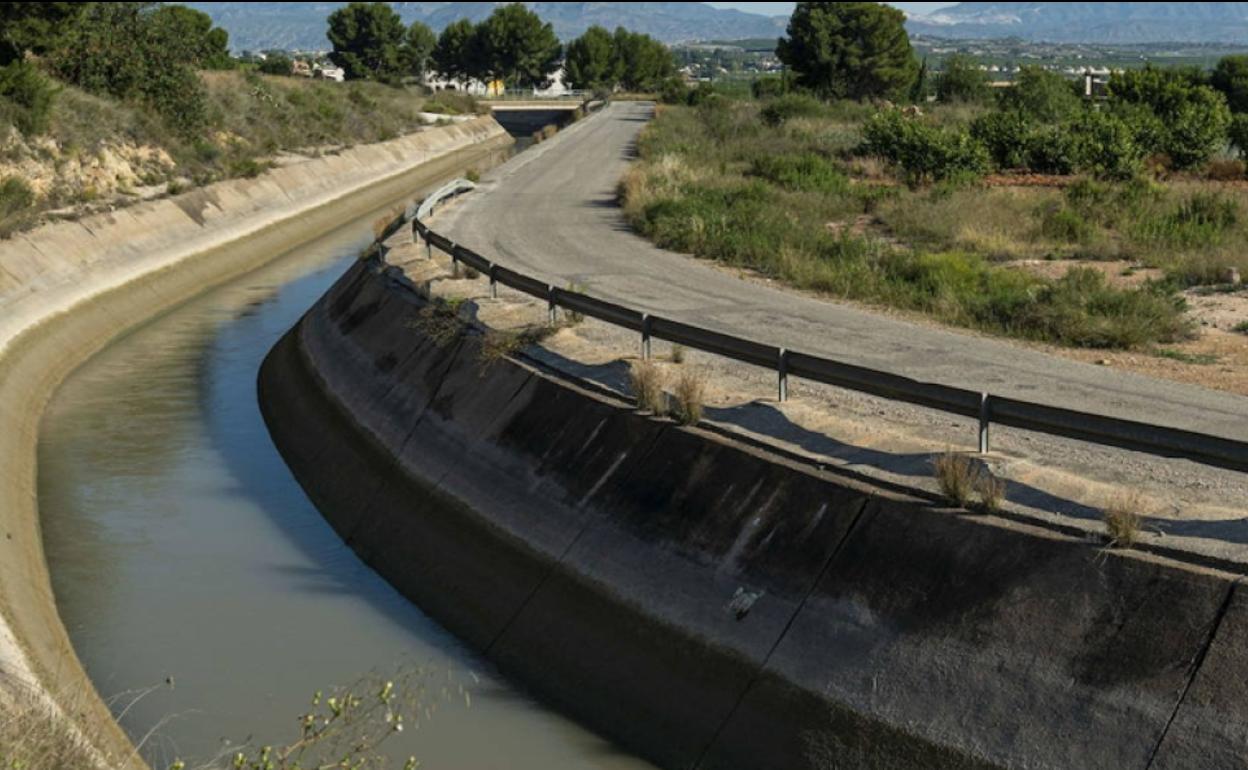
pixel 551 212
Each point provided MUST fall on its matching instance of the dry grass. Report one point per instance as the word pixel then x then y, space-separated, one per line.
pixel 991 491
pixel 497 344
pixel 646 382
pixel 1123 521
pixel 439 321
pixel 956 477
pixel 690 396
pixel 678 354
pixel 33 736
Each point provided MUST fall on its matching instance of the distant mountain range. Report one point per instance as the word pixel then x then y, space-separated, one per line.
pixel 301 26
pixel 258 26
pixel 1118 23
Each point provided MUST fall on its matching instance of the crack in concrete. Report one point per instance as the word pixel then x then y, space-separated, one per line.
pixel 797 611
pixel 1197 662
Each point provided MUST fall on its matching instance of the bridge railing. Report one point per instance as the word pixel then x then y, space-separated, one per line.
pixel 981 406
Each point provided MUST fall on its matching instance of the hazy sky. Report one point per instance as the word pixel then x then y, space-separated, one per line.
pixel 780 9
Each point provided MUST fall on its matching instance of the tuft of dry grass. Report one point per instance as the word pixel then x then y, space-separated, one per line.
pixel 1123 521
pixel 439 321
pixel 678 353
pixel 646 382
pixel 956 477
pixel 498 344
pixel 991 491
pixel 35 736
pixel 690 397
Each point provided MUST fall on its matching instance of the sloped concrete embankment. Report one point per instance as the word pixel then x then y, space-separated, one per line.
pixel 595 555
pixel 66 290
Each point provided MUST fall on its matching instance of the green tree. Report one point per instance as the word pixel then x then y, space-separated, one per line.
pixel 641 62
pixel 276 64
pixel 34 27
pixel 117 49
pixel 457 56
pixel 1041 95
pixel 190 37
pixel 849 50
pixel 1230 76
pixel 589 62
pixel 962 80
pixel 1189 119
pixel 368 41
pixel 418 49
pixel 519 48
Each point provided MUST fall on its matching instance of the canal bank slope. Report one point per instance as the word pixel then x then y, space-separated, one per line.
pixel 66 290
pixel 713 606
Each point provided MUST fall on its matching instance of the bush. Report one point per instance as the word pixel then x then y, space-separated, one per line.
pixel 956 477
pixel 452 103
pixel 690 393
pixel 962 80
pixel 1041 95
pixel 923 151
pixel 276 64
pixel 700 95
pixel 783 108
pixel 1050 150
pixel 1104 145
pixel 1122 522
pixel 806 172
pixel 646 382
pixel 1237 132
pixel 29 96
pixel 673 91
pixel 768 87
pixel 1003 134
pixel 1197 128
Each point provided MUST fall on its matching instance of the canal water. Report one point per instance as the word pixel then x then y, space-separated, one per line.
pixel 206 597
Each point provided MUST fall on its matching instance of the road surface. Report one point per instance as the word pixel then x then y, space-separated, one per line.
pixel 552 213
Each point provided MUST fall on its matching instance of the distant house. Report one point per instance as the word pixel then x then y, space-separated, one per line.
pixel 556 87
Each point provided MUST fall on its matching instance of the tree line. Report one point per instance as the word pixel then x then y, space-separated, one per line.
pixel 513 45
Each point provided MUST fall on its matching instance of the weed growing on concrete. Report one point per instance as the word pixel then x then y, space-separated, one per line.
pixel 991 491
pixel 1122 521
pixel 678 354
pixel 498 344
pixel 955 476
pixel 572 316
pixel 439 321
pixel 690 397
pixel 646 382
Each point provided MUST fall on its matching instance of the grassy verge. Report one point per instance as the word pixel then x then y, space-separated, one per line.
pixel 96 147
pixel 780 189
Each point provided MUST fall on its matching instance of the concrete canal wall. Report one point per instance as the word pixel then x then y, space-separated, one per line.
pixel 67 289
pixel 713 606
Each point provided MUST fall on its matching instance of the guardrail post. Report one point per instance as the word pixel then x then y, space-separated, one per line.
pixel 782 366
pixel 493 281
pixel 645 337
pixel 551 311
pixel 985 411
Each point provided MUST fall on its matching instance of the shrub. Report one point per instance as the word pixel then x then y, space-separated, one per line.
pixel 1062 224
pixel 453 103
pixel 276 64
pixel 924 152
pixel 1197 128
pixel 955 477
pixel 1041 95
pixel 30 95
pixel 700 94
pixel 1050 150
pixel 1122 521
pixel 806 172
pixel 1105 145
pixel 962 80
pixel 991 491
pixel 784 108
pixel 673 91
pixel 15 196
pixel 768 87
pixel 690 395
pixel 646 383
pixel 1004 134
pixel 1237 132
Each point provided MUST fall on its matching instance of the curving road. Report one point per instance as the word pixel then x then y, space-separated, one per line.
pixel 552 213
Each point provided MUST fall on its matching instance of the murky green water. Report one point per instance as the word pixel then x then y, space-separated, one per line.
pixel 181 547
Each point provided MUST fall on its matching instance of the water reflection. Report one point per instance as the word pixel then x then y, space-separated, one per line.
pixel 181 547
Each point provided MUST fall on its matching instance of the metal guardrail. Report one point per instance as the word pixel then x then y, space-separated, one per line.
pixel 985 408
